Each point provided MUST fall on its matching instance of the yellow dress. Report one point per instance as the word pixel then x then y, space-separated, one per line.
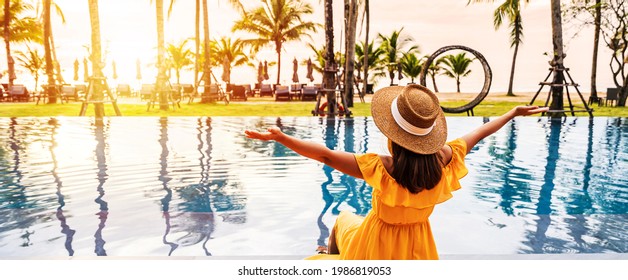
pixel 397 227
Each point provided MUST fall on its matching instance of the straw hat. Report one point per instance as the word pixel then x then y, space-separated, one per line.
pixel 410 116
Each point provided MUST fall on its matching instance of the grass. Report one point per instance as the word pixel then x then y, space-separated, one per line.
pixel 268 107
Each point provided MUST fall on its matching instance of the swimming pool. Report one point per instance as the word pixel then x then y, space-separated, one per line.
pixel 197 187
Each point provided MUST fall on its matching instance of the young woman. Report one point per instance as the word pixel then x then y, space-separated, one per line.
pixel 423 171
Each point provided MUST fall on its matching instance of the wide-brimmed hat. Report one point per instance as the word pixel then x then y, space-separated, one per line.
pixel 410 116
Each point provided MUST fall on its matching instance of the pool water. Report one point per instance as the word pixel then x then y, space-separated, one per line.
pixel 197 187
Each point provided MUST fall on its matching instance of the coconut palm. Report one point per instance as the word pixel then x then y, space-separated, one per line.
pixel 59 12
pixel 457 66
pixel 393 47
pixel 32 61
pixel 510 9
pixel 48 54
pixel 179 57
pixel 95 57
pixel 278 22
pixel 411 66
pixel 433 70
pixel 374 59
pixel 233 51
pixel 18 28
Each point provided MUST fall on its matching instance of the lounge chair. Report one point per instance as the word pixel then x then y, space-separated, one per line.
pixel 147 91
pixel 19 93
pixel 309 93
pixel 124 90
pixel 211 93
pixel 69 92
pixel 265 90
pixel 238 92
pixel 295 91
pixel 282 93
pixel 248 91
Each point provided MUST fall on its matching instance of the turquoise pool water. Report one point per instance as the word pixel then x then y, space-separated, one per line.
pixel 198 187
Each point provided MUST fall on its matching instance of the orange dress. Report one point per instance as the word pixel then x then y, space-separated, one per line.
pixel 397 227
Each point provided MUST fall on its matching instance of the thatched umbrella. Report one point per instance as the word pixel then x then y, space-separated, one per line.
pixel 260 73
pixel 138 70
pixel 266 70
pixel 76 70
pixel 310 70
pixel 115 73
pixel 85 71
pixel 295 67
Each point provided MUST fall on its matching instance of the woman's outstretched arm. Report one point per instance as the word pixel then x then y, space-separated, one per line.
pixel 339 160
pixel 493 126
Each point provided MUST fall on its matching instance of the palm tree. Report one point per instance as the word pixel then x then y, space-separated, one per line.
pixel 319 58
pixel 456 66
pixel 393 47
pixel 411 66
pixel 557 61
pixel 365 59
pixel 278 22
pixel 96 59
pixel 351 19
pixel 233 51
pixel 374 59
pixel 433 70
pixel 179 57
pixel 50 88
pixel 17 28
pixel 512 10
pixel 32 61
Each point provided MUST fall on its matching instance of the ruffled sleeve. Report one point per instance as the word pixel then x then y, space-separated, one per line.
pixel 453 171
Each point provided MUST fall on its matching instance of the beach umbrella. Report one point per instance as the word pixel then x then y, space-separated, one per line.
pixel 266 70
pixel 76 70
pixel 115 73
pixel 295 66
pixel 138 69
pixel 85 71
pixel 11 63
pixel 310 69
pixel 226 70
pixel 260 73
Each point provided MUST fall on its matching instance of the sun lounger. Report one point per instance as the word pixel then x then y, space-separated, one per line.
pixel 309 93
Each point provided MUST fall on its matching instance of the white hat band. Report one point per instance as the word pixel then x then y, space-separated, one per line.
pixel 405 125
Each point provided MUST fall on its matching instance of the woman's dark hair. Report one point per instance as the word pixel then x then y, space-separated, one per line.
pixel 416 172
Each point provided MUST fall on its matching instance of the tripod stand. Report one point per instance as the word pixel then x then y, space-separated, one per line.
pixel 562 83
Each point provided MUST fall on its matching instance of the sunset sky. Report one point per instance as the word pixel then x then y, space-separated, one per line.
pixel 128 33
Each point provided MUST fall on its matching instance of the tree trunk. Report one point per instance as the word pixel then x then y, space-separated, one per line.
pixel 557 61
pixel 160 84
pixel 57 68
pixel 458 85
pixel 330 64
pixel 512 70
pixel 366 45
pixel 434 83
pixel 7 42
pixel 596 40
pixel 197 43
pixel 350 52
pixel 278 49
pixel 97 87
pixel 206 63
pixel 50 89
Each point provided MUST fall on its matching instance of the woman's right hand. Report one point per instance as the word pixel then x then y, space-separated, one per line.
pixel 527 110
pixel 273 133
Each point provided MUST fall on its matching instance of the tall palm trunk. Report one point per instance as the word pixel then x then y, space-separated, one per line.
pixel 350 52
pixel 160 84
pixel 596 41
pixel 366 53
pixel 329 76
pixel 278 50
pixel 206 63
pixel 434 81
pixel 50 88
pixel 557 42
pixel 7 41
pixel 96 59
pixel 512 70
pixel 197 42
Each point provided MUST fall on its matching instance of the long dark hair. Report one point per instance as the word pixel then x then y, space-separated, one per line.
pixel 416 172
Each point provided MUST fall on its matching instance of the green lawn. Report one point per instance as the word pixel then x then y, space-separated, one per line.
pixel 250 108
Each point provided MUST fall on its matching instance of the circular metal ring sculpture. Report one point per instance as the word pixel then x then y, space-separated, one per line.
pixel 488 76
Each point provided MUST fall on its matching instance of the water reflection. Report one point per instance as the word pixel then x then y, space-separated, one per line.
pixel 103 213
pixel 65 228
